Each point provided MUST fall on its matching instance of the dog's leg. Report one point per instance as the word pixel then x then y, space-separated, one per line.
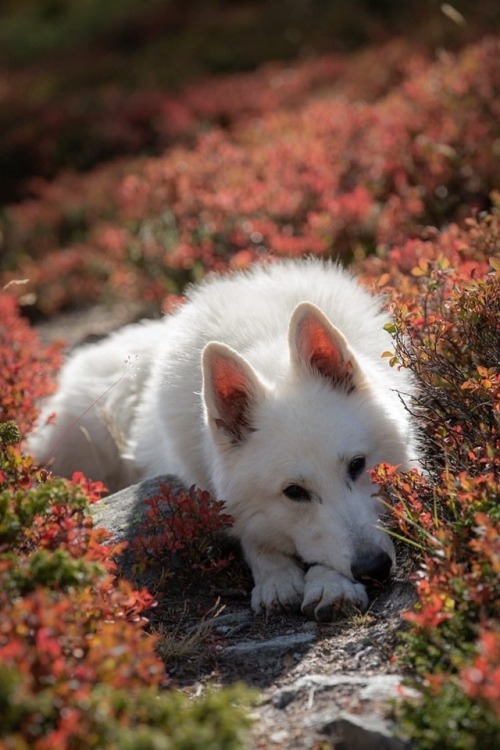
pixel 329 594
pixel 278 578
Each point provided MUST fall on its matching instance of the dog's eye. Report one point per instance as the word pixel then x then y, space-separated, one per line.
pixel 356 467
pixel 297 493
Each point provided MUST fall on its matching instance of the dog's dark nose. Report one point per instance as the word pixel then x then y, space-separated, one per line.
pixel 375 566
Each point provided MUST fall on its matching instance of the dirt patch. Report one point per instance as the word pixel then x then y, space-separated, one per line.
pixel 91 324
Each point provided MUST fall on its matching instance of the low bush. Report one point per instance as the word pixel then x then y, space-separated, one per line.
pixel 182 532
pixel 334 174
pixel 450 338
pixel 26 368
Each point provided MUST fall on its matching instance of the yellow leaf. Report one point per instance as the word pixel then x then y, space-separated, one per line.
pixel 495 264
pixel 448 602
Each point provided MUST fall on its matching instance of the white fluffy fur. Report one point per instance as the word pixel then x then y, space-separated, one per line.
pixel 261 409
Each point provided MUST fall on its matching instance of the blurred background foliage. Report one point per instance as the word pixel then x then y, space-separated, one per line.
pixel 219 35
pixel 62 59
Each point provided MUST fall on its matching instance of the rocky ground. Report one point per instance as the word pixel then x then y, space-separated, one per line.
pixel 320 685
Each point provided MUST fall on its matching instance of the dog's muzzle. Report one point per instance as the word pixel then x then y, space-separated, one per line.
pixel 374 567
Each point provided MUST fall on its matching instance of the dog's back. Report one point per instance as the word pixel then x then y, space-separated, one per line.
pixel 250 312
pixel 85 426
pixel 130 406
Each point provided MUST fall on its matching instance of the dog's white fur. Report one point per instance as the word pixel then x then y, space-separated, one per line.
pixel 260 381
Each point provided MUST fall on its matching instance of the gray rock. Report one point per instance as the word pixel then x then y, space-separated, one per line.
pixel 122 513
pixel 361 732
pixel 274 645
pixel 370 687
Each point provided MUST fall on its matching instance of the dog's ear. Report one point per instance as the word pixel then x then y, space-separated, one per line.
pixel 322 348
pixel 231 388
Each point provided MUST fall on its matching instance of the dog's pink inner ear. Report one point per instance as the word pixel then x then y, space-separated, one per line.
pixel 317 346
pixel 233 395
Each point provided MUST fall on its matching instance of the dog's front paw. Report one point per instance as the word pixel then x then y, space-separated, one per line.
pixel 328 594
pixel 280 589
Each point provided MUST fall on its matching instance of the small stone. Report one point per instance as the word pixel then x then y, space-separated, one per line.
pixel 349 731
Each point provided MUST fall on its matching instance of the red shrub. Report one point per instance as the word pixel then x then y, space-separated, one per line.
pixel 26 367
pixel 449 335
pixel 182 532
pixel 329 175
pixel 67 626
pixel 482 679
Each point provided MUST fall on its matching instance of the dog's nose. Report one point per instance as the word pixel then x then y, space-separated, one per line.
pixel 372 567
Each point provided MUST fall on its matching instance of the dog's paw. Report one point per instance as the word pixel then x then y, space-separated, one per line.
pixel 279 590
pixel 329 595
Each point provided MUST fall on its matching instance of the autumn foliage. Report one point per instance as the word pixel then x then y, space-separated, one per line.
pixel 26 369
pixel 396 172
pixel 324 171
pixel 450 337
pixel 182 532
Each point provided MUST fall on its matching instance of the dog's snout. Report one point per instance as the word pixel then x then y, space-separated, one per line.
pixel 372 567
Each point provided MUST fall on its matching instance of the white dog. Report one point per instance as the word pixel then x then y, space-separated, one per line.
pixel 268 389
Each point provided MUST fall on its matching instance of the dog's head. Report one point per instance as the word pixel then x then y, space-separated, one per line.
pixel 291 458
